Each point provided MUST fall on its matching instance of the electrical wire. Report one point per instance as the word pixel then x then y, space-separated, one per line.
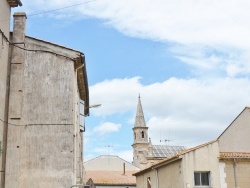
pixel 54 10
pixel 36 124
pixel 29 50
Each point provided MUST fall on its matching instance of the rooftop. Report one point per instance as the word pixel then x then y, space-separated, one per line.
pixel 163 151
pixel 111 177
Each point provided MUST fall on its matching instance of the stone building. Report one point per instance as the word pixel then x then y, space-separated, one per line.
pixel 5 9
pixel 222 163
pixel 144 153
pixel 47 100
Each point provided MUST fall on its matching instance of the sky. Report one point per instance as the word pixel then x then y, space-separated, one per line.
pixel 189 61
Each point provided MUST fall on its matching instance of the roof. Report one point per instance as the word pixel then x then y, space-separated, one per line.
pixel 235 155
pixel 82 81
pixel 14 3
pixel 163 151
pixel 175 157
pixel 109 163
pixel 111 177
pixel 233 121
pixel 139 119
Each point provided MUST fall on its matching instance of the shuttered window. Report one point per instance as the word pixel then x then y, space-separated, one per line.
pixel 81 115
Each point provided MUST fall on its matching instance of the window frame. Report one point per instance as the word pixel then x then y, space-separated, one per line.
pixel 201 182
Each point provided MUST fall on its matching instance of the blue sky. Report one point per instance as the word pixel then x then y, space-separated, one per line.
pixel 189 61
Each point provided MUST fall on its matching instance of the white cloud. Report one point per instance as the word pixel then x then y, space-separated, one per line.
pixel 194 110
pixel 114 95
pixel 107 127
pixel 216 31
pixel 210 35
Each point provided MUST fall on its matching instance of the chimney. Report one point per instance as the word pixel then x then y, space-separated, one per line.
pixel 17 63
pixel 18 37
pixel 19 27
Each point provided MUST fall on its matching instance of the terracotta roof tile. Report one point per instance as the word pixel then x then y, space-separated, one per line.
pixel 229 155
pixel 111 177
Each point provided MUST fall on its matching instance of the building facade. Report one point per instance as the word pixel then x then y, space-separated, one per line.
pixel 5 9
pixel 222 163
pixel 46 103
pixel 144 153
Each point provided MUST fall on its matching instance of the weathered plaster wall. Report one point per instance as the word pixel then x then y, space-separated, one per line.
pixel 170 175
pixel 242 173
pixel 203 159
pixel 4 49
pixel 141 180
pixel 236 137
pixel 43 136
pixel 5 15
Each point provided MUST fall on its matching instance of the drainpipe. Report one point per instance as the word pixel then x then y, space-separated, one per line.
pixel 235 175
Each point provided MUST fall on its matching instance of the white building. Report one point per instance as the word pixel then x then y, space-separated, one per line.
pixel 43 110
pixel 222 163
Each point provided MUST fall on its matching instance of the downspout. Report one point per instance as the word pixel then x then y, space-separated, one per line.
pixel 235 175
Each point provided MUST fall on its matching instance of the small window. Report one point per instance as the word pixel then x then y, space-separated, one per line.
pixel 148 182
pixel 201 178
pixel 142 134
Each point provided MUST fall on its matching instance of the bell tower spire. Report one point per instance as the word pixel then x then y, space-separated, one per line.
pixel 141 142
pixel 139 119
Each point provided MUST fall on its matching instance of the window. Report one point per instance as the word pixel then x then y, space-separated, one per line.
pixel 142 134
pixel 148 182
pixel 82 121
pixel 201 178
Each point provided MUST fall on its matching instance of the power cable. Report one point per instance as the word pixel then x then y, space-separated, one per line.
pixel 54 10
pixel 29 50
pixel 35 123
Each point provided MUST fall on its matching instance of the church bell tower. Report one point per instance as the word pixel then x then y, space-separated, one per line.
pixel 141 142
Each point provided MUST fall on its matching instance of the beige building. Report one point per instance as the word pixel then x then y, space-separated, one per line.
pixel 44 111
pixel 223 163
pixel 5 9
pixel 109 171
pixel 145 153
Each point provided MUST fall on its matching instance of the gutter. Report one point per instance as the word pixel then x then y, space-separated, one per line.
pixel 160 164
pixel 176 158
